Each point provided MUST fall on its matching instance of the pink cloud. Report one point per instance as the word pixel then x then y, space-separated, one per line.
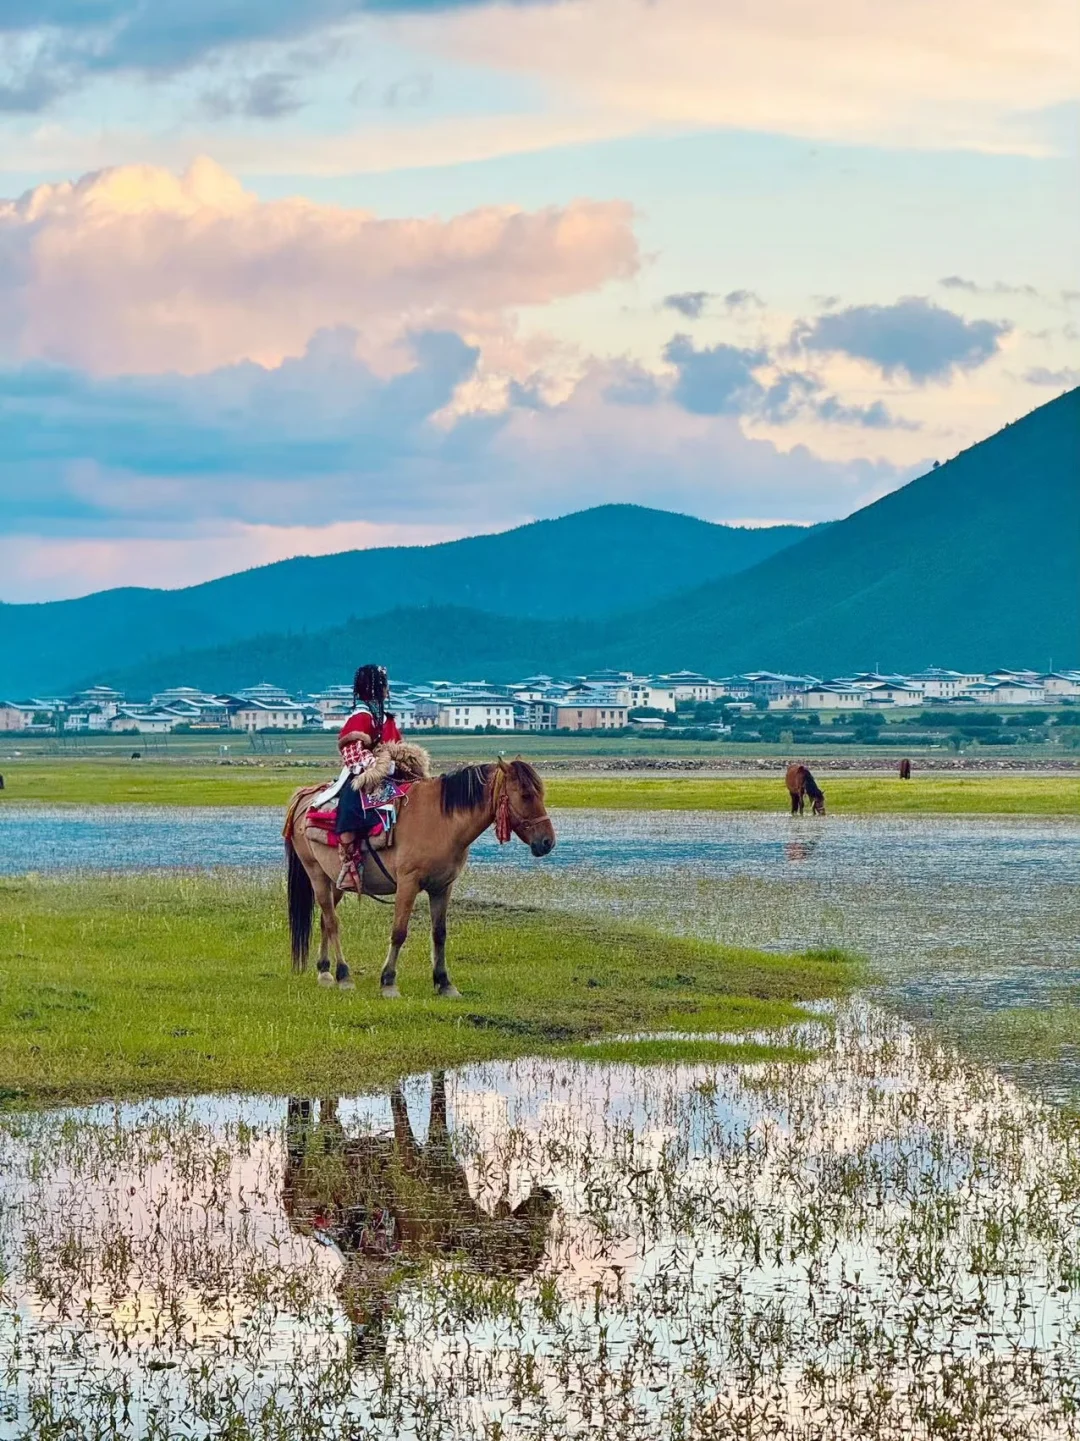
pixel 135 269
pixel 37 567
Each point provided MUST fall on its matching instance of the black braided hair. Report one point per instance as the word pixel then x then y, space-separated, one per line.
pixel 371 686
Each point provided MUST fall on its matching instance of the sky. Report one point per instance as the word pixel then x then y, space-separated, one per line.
pixel 281 279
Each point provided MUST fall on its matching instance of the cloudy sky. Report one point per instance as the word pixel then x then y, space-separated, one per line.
pixel 281 278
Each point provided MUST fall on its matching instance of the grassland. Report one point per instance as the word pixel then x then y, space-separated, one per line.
pixel 158 983
pixel 845 794
pixel 271 783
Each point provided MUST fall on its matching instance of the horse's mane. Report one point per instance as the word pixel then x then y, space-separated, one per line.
pixel 813 790
pixel 465 788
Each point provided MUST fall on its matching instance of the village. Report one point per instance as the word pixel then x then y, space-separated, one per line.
pixel 605 700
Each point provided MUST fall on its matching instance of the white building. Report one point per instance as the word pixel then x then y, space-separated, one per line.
pixel 938 684
pixel 469 710
pixel 101 698
pixel 691 685
pixel 265 693
pixel 831 697
pixel 138 720
pixel 1062 685
pixel 1008 692
pixel 890 692
pixel 83 718
pixel 261 715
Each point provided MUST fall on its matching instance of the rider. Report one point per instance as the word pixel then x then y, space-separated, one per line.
pixel 369 726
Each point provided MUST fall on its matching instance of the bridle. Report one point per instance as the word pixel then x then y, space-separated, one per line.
pixel 507 820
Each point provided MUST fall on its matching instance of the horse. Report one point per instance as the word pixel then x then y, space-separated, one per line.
pixel 439 820
pixel 800 784
pixel 905 769
pixel 383 1202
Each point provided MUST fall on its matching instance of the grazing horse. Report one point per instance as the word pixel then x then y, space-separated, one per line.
pixel 905 769
pixel 800 784
pixel 385 1203
pixel 438 822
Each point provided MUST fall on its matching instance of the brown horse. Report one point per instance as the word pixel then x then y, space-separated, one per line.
pixel 905 769
pixel 387 1202
pixel 800 784
pixel 437 824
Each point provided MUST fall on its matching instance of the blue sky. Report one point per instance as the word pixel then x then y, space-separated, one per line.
pixel 278 279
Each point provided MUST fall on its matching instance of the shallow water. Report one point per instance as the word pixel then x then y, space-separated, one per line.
pixel 884 1243
pixel 960 916
pixel 993 851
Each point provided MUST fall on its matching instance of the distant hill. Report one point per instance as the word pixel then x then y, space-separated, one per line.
pixel 975 564
pixel 592 563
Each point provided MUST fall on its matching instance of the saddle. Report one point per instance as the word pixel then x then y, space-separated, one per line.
pixel 323 821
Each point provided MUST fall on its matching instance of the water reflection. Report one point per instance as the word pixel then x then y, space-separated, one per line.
pixel 383 1202
pixel 884 1242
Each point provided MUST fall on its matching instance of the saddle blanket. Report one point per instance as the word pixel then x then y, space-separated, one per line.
pixel 324 819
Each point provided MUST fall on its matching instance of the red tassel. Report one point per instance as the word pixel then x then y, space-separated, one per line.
pixel 502 819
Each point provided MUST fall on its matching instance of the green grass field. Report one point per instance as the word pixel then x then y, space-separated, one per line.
pixel 160 983
pixel 271 783
pixel 1009 794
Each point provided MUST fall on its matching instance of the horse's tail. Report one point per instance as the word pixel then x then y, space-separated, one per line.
pixel 301 905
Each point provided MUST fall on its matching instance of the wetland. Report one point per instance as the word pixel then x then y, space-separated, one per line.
pixel 743 1126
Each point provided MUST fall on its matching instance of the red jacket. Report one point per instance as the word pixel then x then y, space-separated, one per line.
pixel 362 723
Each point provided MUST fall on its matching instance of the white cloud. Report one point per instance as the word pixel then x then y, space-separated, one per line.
pixel 971 74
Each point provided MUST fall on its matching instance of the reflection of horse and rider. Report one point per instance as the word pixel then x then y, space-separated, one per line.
pixel 388 1203
pixel 386 827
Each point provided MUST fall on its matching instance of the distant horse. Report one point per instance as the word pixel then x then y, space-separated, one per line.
pixel 800 784
pixel 437 824
pixel 905 770
pixel 387 1202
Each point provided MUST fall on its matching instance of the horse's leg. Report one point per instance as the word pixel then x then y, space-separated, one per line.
pixel 330 927
pixel 438 1136
pixel 407 891
pixel 440 901
pixel 794 803
pixel 437 1125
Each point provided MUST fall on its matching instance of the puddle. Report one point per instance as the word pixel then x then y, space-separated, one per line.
pixel 884 1242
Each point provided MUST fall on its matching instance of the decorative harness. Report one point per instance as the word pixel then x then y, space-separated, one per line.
pixel 507 823
pixel 507 820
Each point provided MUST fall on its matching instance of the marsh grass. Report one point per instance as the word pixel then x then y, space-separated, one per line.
pixel 268 784
pixel 881 1243
pixel 145 984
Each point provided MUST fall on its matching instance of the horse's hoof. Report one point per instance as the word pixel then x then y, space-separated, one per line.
pixel 450 992
pixel 391 993
pixel 346 984
pixel 325 978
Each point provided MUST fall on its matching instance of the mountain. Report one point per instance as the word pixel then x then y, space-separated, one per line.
pixel 592 563
pixel 975 564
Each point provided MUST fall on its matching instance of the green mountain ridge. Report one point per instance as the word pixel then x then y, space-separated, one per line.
pixel 973 565
pixel 592 563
